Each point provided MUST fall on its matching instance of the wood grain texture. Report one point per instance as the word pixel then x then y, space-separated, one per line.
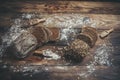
pixel 99 10
pixel 100 21
pixel 61 6
pixel 106 15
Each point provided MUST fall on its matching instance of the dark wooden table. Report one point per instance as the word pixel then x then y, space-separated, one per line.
pixel 103 16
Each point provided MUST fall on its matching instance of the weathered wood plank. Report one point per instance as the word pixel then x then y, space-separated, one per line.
pixel 10 10
pixel 57 20
pixel 61 6
pixel 98 21
pixel 112 48
pixel 52 72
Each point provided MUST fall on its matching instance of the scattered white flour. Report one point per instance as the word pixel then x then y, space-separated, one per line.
pixel 14 31
pixel 101 58
pixel 69 21
pixel 102 55
pixel 11 35
pixel 28 16
pixel 51 54
pixel 66 33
